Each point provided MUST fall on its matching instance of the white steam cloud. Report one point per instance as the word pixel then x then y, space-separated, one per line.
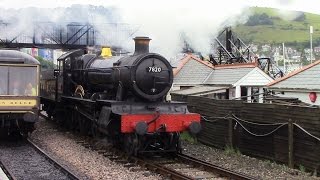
pixel 163 21
pixel 25 22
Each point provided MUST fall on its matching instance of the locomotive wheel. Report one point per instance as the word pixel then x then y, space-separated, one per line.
pixel 175 142
pixel 95 131
pixel 179 148
pixel 83 126
pixel 131 144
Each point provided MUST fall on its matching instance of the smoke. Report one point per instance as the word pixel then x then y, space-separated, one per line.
pixel 289 15
pixel 25 22
pixel 163 21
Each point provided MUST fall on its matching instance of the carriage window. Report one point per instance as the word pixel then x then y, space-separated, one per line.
pixel 4 80
pixel 23 81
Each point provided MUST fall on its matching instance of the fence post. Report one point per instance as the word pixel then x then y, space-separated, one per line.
pixel 290 144
pixel 230 133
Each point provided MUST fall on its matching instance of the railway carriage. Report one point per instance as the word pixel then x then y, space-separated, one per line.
pixel 122 98
pixel 19 87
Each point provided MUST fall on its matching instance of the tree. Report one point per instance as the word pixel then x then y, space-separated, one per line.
pixel 301 17
pixel 259 19
pixel 44 63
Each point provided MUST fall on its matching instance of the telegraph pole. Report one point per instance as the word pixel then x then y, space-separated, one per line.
pixel 284 59
pixel 311 31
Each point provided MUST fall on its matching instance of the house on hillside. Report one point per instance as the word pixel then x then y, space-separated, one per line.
pixel 231 81
pixel 303 84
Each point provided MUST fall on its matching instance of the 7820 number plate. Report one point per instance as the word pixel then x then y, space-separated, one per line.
pixel 154 69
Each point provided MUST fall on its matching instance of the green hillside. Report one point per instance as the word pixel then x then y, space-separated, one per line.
pixel 268 25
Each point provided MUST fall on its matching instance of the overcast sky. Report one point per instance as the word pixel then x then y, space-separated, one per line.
pixel 312 6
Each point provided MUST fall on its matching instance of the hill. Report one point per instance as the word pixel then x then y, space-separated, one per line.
pixel 268 25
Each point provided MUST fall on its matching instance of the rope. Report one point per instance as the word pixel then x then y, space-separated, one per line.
pixel 260 135
pixel 305 131
pixel 219 118
pixel 238 121
pixel 260 124
pixel 235 118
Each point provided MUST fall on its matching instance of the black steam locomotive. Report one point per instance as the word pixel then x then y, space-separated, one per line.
pixel 122 98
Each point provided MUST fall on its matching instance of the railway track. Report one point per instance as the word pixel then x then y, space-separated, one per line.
pixel 25 160
pixel 184 167
pixel 178 167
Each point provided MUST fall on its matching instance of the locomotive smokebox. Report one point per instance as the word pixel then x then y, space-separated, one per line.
pixel 141 45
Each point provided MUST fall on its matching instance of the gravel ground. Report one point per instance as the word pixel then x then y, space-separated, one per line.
pixel 85 163
pixel 26 163
pixel 89 164
pixel 242 163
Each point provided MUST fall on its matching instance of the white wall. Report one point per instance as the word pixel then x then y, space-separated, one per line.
pixel 303 96
pixel 232 93
pixel 175 88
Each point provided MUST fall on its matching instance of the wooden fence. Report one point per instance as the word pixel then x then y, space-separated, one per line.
pixel 271 131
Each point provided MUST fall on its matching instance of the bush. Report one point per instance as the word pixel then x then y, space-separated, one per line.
pixel 300 18
pixel 232 151
pixel 44 63
pixel 259 19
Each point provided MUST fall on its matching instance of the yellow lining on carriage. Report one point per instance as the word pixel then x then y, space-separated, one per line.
pixel 18 103
pixel 14 112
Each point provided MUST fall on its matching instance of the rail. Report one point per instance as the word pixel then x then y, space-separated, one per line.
pixel 215 169
pixel 63 169
pixel 6 171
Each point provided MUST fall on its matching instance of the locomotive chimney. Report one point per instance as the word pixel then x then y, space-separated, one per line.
pixel 141 45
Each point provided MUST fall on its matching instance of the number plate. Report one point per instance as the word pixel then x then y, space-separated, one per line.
pixel 154 69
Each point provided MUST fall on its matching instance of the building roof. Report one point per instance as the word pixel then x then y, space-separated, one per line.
pixel 227 76
pixel 307 78
pixel 194 71
pixel 199 90
pixel 185 60
pixel 255 77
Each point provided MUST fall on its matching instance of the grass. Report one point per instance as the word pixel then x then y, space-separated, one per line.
pixel 231 151
pixel 283 30
pixel 187 137
pixel 302 168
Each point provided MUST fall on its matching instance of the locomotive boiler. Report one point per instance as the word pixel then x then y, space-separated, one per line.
pixel 119 97
pixel 143 76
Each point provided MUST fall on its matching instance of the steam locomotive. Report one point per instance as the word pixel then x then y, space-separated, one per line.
pixel 19 87
pixel 119 97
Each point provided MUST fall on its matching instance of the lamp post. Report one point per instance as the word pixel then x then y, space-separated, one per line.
pixel 311 31
pixel 284 59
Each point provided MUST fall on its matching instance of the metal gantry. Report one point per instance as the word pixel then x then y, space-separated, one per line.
pixel 230 49
pixel 63 36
